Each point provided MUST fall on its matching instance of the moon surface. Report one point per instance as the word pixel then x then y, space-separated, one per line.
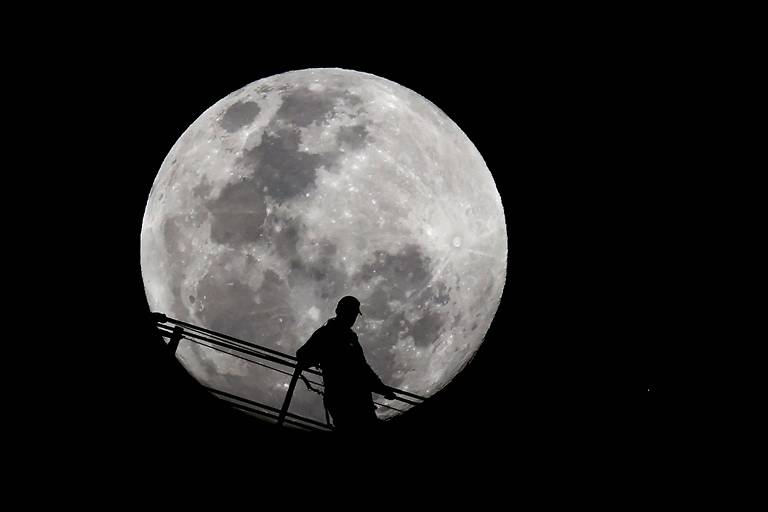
pixel 310 185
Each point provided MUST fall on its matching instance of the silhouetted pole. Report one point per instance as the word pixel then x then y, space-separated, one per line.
pixel 178 332
pixel 288 396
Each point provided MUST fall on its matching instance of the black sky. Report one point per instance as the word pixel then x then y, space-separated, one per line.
pixel 589 142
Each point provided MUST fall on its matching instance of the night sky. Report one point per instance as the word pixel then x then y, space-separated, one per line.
pixel 585 143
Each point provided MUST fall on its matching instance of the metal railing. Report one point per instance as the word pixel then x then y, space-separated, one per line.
pixel 176 331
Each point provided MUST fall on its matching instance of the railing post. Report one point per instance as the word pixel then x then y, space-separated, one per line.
pixel 173 344
pixel 288 396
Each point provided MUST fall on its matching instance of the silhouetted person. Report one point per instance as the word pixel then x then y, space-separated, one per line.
pixel 348 379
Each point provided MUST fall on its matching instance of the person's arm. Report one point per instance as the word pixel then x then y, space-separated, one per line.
pixel 374 382
pixel 378 386
pixel 309 353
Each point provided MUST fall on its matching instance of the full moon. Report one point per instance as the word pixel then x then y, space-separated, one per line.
pixel 310 185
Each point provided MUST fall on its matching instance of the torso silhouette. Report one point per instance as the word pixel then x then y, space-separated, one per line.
pixel 348 379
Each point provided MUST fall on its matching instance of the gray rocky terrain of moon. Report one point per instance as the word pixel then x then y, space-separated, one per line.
pixel 306 186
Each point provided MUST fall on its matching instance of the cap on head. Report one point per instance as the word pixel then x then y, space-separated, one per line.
pixel 350 304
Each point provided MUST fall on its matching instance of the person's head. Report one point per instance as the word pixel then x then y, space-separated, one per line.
pixel 347 310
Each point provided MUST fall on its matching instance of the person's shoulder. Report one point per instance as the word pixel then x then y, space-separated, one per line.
pixel 326 327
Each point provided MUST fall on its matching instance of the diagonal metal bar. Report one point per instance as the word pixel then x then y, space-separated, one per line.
pixel 239 349
pixel 219 335
pixel 269 408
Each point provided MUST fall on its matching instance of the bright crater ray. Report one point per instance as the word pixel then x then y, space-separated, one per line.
pixel 306 186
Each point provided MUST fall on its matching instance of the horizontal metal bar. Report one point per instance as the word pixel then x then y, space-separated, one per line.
pixel 248 410
pixel 214 333
pixel 406 393
pixel 288 362
pixel 217 345
pixel 193 336
pixel 249 352
pixel 264 406
pixel 388 406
